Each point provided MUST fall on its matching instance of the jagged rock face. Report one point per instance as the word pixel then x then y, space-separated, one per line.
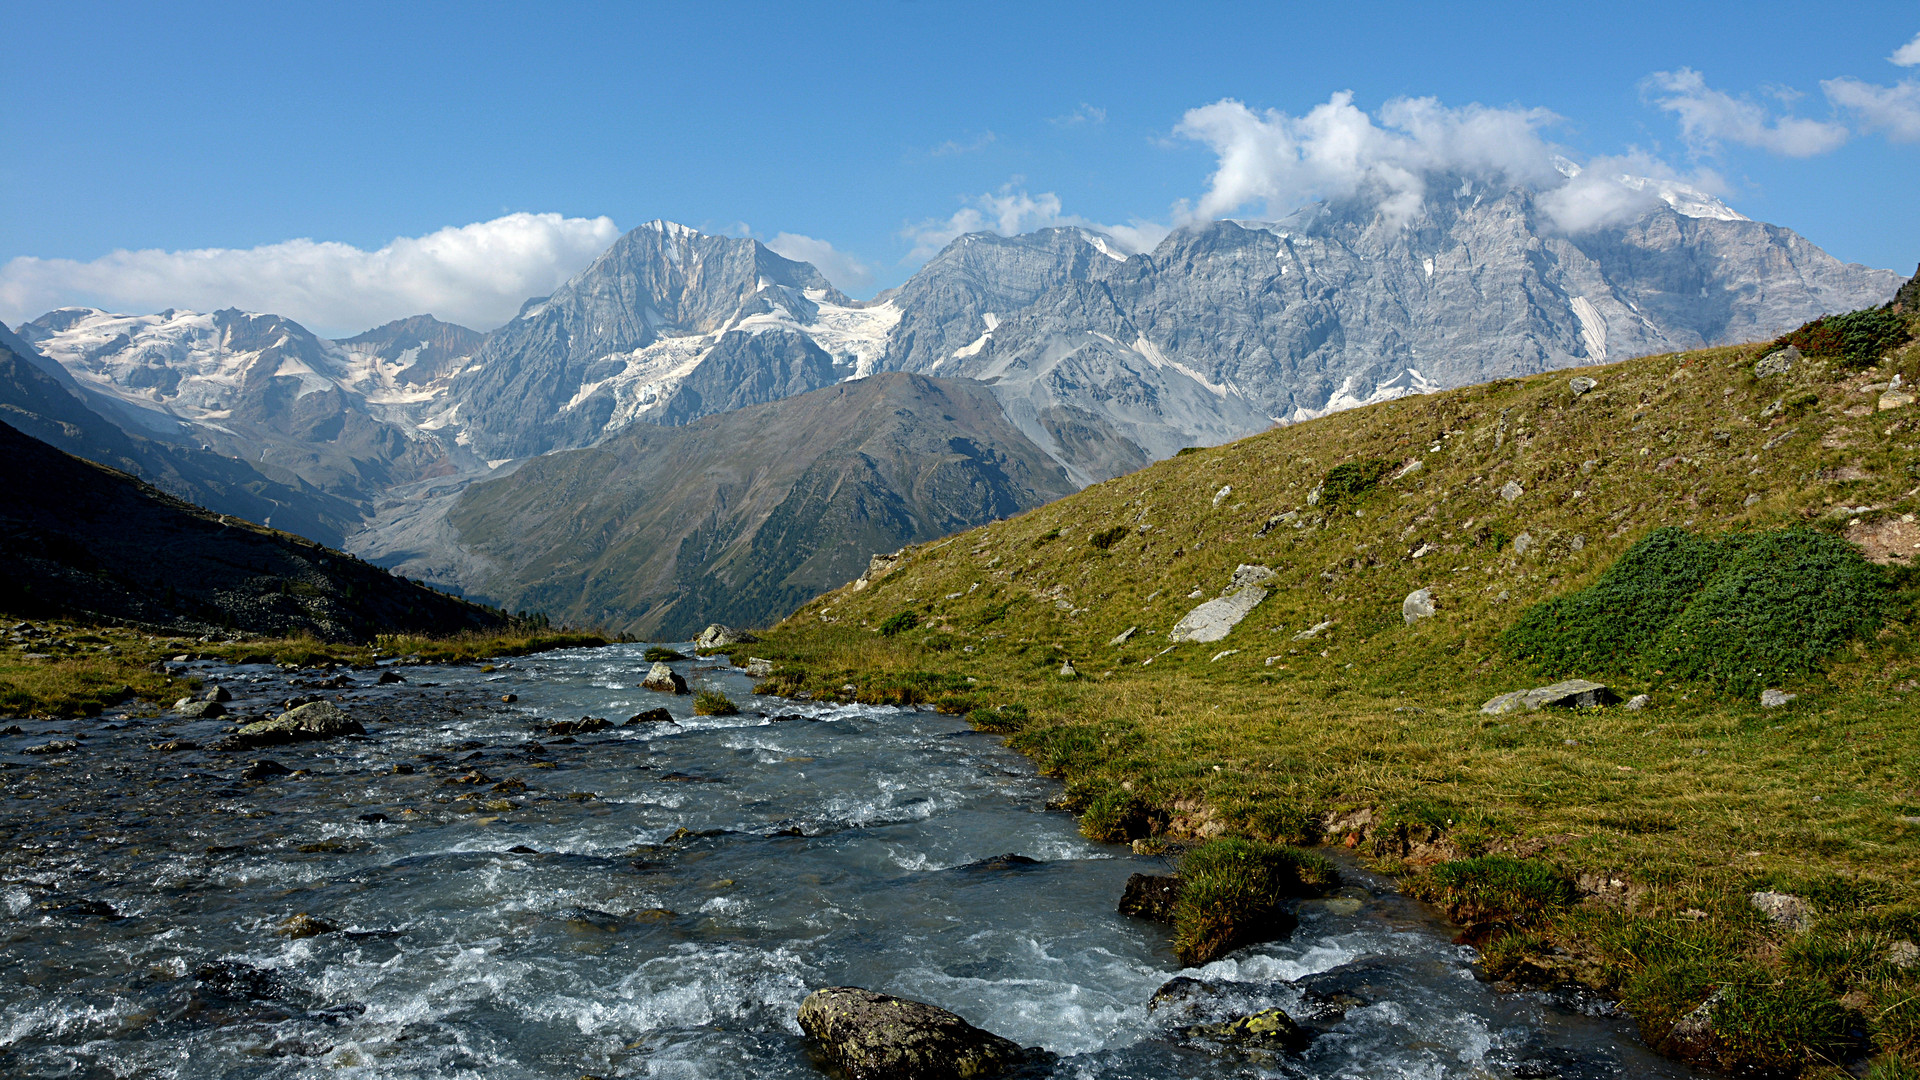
pixel 262 388
pixel 616 341
pixel 416 352
pixel 740 517
pixel 1336 306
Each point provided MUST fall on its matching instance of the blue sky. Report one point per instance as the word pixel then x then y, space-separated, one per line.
pixel 858 129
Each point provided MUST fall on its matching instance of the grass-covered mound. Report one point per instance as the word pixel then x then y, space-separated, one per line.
pixel 1233 891
pixel 1742 611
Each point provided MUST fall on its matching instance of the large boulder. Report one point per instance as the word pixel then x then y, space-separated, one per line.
pixel 721 637
pixel 664 679
pixel 873 1036
pixel 1571 694
pixel 310 722
pixel 1213 620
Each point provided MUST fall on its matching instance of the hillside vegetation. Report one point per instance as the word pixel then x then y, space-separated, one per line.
pixel 1618 847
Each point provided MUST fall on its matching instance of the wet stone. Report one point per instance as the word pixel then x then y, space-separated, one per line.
pixel 1148 896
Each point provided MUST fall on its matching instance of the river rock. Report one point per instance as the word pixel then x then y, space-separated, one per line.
pixel 651 716
pixel 582 726
pixel 1784 910
pixel 316 720
pixel 1773 699
pixel 264 770
pixel 718 636
pixel 1271 1030
pixel 1571 694
pixel 1778 362
pixel 218 693
pixel 1151 896
pixel 304 925
pixel 877 1037
pixel 1418 605
pixel 664 679
pixel 201 710
pixel 1212 620
pixel 759 668
pixel 389 677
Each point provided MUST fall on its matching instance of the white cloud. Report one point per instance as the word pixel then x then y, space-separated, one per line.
pixel 1012 211
pixel 1085 114
pixel 477 275
pixel 1709 117
pixel 847 272
pixel 1907 55
pixel 1894 109
pixel 951 147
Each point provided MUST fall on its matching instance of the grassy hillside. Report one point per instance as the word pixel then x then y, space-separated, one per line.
pixel 1618 847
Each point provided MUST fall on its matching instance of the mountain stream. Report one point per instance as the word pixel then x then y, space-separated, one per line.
pixel 654 902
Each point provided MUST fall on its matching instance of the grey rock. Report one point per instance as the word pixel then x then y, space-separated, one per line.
pixel 1903 954
pixel 1773 699
pixel 1213 620
pixel 1784 910
pixel 1573 693
pixel 312 721
pixel 1066 669
pixel 1511 491
pixel 1245 575
pixel 1523 543
pixel 264 770
pixel 218 693
pixel 1418 605
pixel 1638 702
pixel 1314 631
pixel 717 636
pixel 1270 1030
pixel 1778 362
pixel 1581 385
pixel 878 1037
pixel 1121 638
pixel 201 710
pixel 759 668
pixel 664 679
pixel 57 746
pixel 1693 1037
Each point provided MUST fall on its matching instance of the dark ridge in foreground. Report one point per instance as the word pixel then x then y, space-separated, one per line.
pixel 83 541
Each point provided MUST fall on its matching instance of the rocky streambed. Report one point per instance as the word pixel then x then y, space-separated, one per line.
pixel 477 886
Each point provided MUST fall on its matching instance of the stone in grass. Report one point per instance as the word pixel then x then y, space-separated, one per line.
pixel 759 667
pixel 1151 896
pixel 1066 669
pixel 1778 362
pixel 664 679
pixel 1783 910
pixel 718 636
pixel 1511 491
pixel 1773 699
pixel 874 1036
pixel 1571 694
pixel 1580 384
pixel 1418 605
pixel 1213 620
pixel 1121 638
pixel 1638 702
pixel 1903 954
pixel 315 720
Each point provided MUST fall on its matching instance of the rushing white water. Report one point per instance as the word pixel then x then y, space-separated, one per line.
pixel 655 902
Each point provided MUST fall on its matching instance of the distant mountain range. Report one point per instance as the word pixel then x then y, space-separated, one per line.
pixel 1099 361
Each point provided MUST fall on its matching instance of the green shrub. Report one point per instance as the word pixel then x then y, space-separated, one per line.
pixel 1106 538
pixel 1496 888
pixel 1231 894
pixel 899 623
pixel 1857 339
pixel 1116 816
pixel 1347 481
pixel 1742 612
pixel 713 703
pixel 661 654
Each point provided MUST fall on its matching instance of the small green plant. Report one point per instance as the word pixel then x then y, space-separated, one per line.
pixel 1116 816
pixel 899 623
pixel 1106 538
pixel 1349 480
pixel 1046 537
pixel 1000 718
pixel 1856 339
pixel 1496 889
pixel 660 654
pixel 1232 891
pixel 709 702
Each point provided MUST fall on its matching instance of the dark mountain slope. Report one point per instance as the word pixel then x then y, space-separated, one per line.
pixel 80 540
pixel 743 516
pixel 35 403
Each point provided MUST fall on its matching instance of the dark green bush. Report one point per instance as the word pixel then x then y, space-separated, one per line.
pixel 899 623
pixel 1347 481
pixel 662 654
pixel 1857 339
pixel 1232 890
pixel 1106 538
pixel 1741 612
pixel 713 703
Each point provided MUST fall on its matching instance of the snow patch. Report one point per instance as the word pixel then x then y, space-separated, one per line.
pixel 1348 396
pixel 1593 328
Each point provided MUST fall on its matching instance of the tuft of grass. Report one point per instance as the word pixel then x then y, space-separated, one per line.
pixel 1496 889
pixel 660 654
pixel 1346 482
pixel 899 623
pixel 1232 891
pixel 1106 538
pixel 709 702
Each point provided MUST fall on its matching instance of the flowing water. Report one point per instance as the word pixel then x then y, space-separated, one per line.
pixel 655 901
